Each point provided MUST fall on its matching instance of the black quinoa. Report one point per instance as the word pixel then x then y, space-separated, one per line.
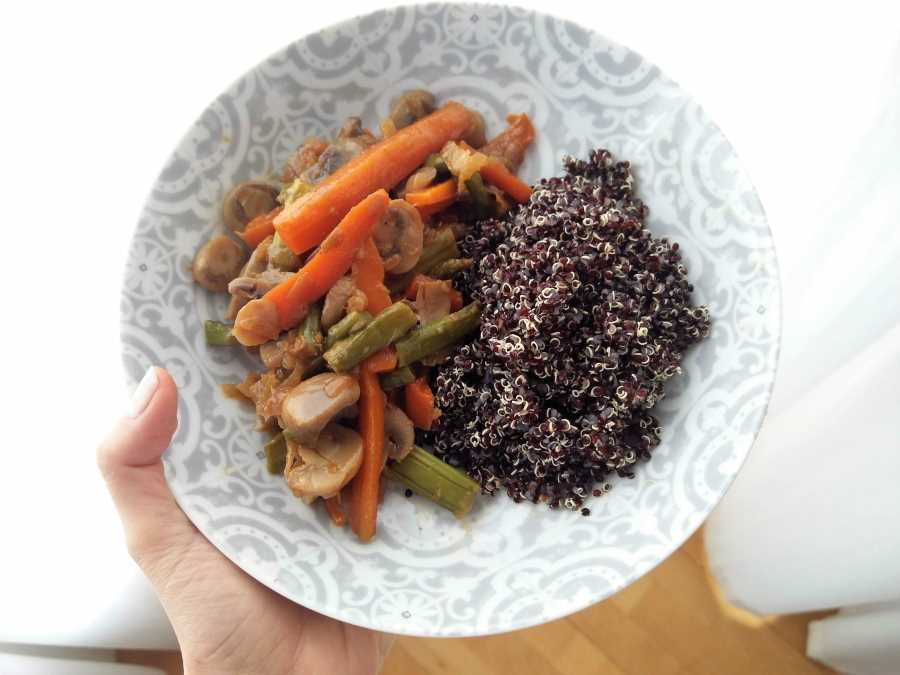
pixel 586 315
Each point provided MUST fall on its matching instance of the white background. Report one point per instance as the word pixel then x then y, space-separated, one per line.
pixel 95 97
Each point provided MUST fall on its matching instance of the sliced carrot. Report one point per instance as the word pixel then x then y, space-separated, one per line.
pixel 259 228
pixel 434 194
pixel 382 361
pixel 419 404
pixel 366 483
pixel 335 512
pixel 497 174
pixel 367 273
pixel 433 209
pixel 433 199
pixel 305 223
pixel 335 256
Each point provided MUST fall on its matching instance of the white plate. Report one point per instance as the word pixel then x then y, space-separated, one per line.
pixel 507 566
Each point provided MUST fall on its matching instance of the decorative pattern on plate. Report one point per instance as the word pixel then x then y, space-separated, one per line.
pixel 507 566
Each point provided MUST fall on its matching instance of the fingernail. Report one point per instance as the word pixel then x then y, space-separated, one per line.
pixel 144 392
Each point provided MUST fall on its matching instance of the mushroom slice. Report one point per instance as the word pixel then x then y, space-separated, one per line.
pixel 421 179
pixel 258 262
pixel 350 142
pixel 256 323
pixel 314 403
pixel 302 158
pixel 398 237
pixel 411 106
pixel 272 353
pixel 399 434
pixel 322 469
pixel 257 286
pixel 246 201
pixel 475 135
pixel 218 262
pixel 352 129
pixel 336 301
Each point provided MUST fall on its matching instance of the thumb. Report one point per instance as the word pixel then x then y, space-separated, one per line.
pixel 129 460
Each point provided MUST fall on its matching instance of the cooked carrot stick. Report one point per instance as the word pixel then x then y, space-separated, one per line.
pixel 433 194
pixel 419 404
pixel 282 307
pixel 497 174
pixel 366 483
pixel 334 257
pixel 305 223
pixel 432 209
pixel 259 228
pixel 433 199
pixel 367 273
pixel 335 512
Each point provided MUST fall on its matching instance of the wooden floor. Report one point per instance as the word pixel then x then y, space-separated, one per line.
pixel 671 621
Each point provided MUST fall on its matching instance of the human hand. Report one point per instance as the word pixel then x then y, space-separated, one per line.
pixel 226 622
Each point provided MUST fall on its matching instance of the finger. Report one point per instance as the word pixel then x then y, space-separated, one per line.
pixel 129 460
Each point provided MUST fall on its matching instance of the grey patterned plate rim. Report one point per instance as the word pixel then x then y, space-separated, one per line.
pixel 507 566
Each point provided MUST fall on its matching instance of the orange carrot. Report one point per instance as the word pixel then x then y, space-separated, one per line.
pixel 367 273
pixel 432 209
pixel 366 483
pixel 382 361
pixel 419 404
pixel 433 199
pixel 305 223
pixel 335 256
pixel 259 228
pixel 434 194
pixel 335 512
pixel 498 175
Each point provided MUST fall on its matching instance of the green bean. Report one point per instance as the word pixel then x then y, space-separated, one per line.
pixel 352 323
pixel 439 335
pixel 441 247
pixel 428 476
pixel 276 454
pixel 437 163
pixel 397 378
pixel 218 333
pixel 447 268
pixel 310 331
pixel 385 329
pixel 482 200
